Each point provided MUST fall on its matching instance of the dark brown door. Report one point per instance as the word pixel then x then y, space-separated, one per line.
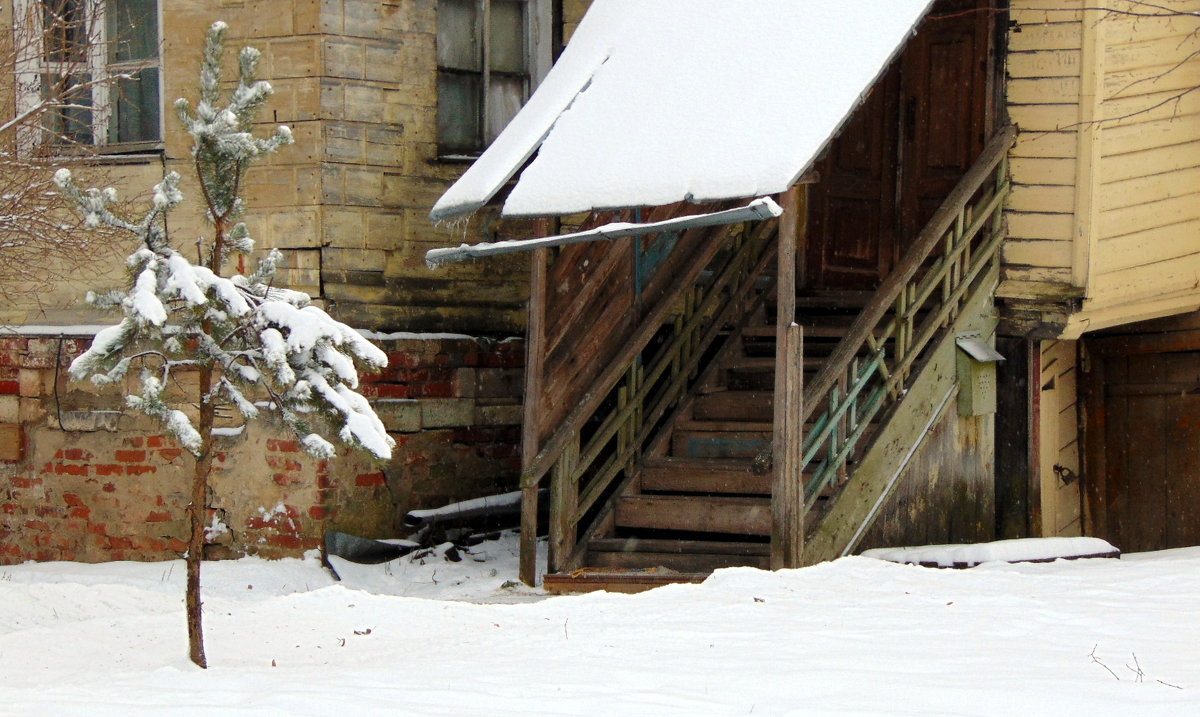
pixel 902 151
pixel 1143 450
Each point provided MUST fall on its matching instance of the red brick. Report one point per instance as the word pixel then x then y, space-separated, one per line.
pixel 399 359
pixel 83 513
pixel 390 390
pixel 170 454
pixel 285 479
pixel 158 516
pixel 18 482
pixel 37 525
pixel 77 454
pixel 370 480
pixel 97 528
pixel 155 442
pixel 177 545
pixel 118 543
pixel 58 455
pixel 108 469
pixel 318 512
pixel 280 446
pixel 109 488
pixel 73 500
pixel 130 456
pixel 10 388
pixel 286 541
pixel 139 470
pixel 135 441
pixel 9 508
pixel 71 470
pixel 438 389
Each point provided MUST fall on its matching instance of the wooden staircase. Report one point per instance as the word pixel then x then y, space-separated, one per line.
pixel 665 471
pixel 702 499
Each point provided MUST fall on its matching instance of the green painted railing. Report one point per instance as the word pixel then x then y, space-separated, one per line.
pixel 870 369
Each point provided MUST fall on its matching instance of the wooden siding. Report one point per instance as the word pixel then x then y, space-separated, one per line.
pixel 1044 91
pixel 1058 441
pixel 1149 172
pixel 1107 165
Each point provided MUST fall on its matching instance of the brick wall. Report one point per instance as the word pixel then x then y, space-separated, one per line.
pixel 80 480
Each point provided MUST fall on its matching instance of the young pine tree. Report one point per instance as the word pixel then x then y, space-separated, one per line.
pixel 256 349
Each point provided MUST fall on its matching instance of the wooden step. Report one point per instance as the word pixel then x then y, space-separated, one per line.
pixel 684 475
pixel 711 444
pixel 735 406
pixel 830 330
pixel 713 425
pixel 616 580
pixel 684 556
pixel 695 514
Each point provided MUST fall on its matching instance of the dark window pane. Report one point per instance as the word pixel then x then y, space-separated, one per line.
pixel 507 46
pixel 132 30
pixel 65 27
pixel 505 97
pixel 135 108
pixel 458 112
pixel 457 41
pixel 71 123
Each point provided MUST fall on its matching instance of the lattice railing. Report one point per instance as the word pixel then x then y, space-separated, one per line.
pixel 591 455
pixel 870 369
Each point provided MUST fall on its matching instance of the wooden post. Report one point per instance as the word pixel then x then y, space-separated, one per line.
pixel 564 503
pixel 787 493
pixel 530 426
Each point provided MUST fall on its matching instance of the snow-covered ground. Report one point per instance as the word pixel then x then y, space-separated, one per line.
pixel 854 637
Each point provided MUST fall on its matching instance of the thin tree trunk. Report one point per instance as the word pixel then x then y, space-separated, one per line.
pixel 199 514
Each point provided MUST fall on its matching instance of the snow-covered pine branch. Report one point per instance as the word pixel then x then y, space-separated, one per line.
pixel 249 344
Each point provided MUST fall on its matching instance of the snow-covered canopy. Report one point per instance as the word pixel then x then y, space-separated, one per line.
pixel 655 102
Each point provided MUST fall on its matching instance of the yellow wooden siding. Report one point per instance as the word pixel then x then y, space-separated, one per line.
pixel 1058 440
pixel 1106 168
pixel 1147 248
pixel 1043 95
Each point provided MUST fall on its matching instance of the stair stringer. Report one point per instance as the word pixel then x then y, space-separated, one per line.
pixel 884 465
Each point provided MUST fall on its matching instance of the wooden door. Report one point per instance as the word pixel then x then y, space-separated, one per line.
pixel 852 209
pixel 1143 450
pixel 903 150
pixel 944 113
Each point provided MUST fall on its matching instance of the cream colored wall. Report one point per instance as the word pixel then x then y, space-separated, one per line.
pixel 1043 100
pixel 1146 261
pixel 1058 440
pixel 1106 169
pixel 573 11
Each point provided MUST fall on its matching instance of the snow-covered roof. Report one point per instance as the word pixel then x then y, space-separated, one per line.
pixel 660 101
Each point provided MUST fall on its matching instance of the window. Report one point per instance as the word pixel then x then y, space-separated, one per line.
pixel 97 61
pixel 490 55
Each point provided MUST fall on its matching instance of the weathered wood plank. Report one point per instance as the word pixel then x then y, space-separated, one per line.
pixel 530 425
pixel 728 515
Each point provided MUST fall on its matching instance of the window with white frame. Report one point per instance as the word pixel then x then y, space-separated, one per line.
pixel 490 55
pixel 95 65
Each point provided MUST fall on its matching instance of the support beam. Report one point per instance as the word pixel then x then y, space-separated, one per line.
pixel 787 494
pixel 530 425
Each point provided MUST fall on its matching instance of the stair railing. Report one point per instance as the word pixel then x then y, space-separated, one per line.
pixel 607 433
pixel 869 370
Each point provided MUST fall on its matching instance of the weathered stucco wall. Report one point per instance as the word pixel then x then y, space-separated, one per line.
pixel 356 81
pixel 81 481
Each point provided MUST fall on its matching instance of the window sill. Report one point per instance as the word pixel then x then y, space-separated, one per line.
pixel 455 159
pixel 142 153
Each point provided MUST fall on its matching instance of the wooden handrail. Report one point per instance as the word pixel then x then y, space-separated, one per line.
pixel 888 292
pixel 647 328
